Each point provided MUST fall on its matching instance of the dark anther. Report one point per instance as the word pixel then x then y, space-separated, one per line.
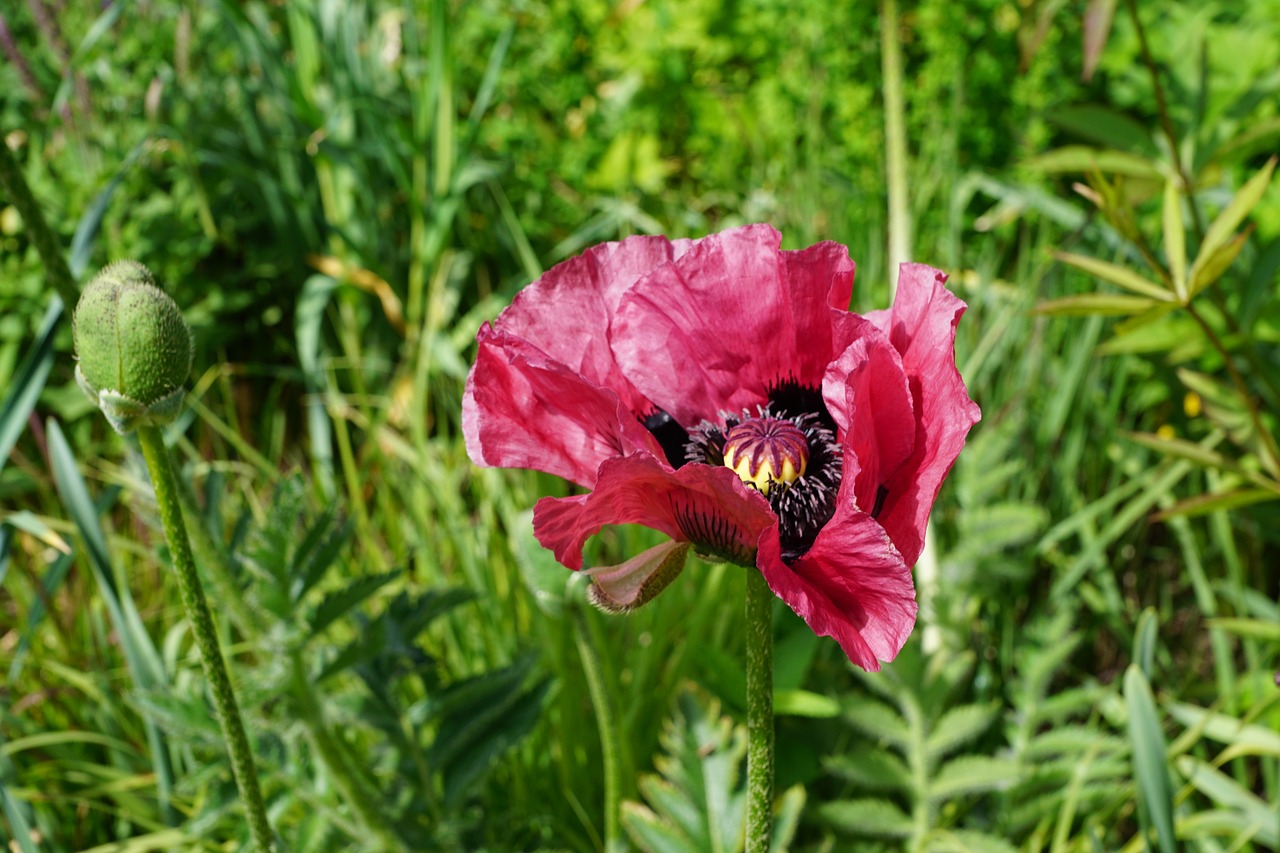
pixel 789 399
pixel 670 435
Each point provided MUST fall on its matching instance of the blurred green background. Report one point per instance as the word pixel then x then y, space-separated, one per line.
pixel 338 194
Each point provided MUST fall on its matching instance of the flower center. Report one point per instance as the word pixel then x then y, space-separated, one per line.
pixel 766 452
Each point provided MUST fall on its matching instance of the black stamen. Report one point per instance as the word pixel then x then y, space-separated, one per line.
pixel 670 435
pixel 789 399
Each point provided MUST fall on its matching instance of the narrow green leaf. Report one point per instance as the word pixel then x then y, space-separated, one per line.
pixel 803 703
pixel 1089 304
pixel 1233 214
pixel 1257 628
pixel 1116 274
pixel 1175 238
pixel 871 769
pixel 1215 501
pixel 1150 767
pixel 1080 158
pixel 1230 731
pixel 1203 275
pixel 651 833
pixel 958 726
pixel 1105 126
pixel 873 817
pixel 28 382
pixel 878 720
pixel 1257 815
pixel 1145 637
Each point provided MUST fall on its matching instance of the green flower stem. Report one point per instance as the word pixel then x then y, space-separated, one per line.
pixel 224 699
pixel 606 723
pixel 759 712
pixel 46 242
pixel 336 761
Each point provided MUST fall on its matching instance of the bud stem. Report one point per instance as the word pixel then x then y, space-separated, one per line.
pixel 224 698
pixel 759 633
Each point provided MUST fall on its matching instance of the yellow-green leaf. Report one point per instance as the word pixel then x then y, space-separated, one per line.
pixel 1175 238
pixel 1089 304
pixel 1116 274
pixel 1080 158
pixel 1213 502
pixel 1216 264
pixel 1234 213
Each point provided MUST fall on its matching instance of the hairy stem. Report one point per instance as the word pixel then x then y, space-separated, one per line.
pixel 759 633
pixel 224 698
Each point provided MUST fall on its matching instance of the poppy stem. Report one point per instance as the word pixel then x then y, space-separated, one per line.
pixel 759 635
pixel 193 601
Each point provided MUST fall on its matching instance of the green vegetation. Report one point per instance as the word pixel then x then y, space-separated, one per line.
pixel 339 194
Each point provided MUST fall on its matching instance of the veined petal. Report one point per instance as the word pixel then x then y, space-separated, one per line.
pixel 852 586
pixel 702 504
pixel 567 312
pixel 731 317
pixel 522 409
pixel 921 325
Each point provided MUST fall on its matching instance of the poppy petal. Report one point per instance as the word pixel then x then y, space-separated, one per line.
pixel 522 409
pixel 703 504
pixel 728 320
pixel 921 325
pixel 852 586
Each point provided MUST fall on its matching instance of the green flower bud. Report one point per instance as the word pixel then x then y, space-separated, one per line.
pixel 134 347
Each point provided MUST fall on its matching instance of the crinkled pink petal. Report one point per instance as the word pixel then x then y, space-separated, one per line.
pixel 852 586
pixel 921 325
pixel 568 311
pixel 522 409
pixel 866 392
pixel 730 318
pixel 703 504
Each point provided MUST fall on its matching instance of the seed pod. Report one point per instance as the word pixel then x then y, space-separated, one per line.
pixel 133 346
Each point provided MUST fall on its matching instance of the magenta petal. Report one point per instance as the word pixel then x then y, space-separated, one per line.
pixel 733 316
pixel 524 410
pixel 853 586
pixel 626 586
pixel 708 506
pixel 867 394
pixel 921 325
pixel 567 313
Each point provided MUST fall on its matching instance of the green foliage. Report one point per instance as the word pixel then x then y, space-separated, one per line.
pixel 697 800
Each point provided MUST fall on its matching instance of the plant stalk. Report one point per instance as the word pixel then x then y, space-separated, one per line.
pixel 607 725
pixel 193 600
pixel 759 633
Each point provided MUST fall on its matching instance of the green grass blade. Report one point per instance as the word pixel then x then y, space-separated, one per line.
pixel 28 382
pixel 1150 767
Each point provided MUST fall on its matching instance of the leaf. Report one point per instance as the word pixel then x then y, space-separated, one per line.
pixel 1080 158
pixel 1116 274
pixel 1217 502
pixel 339 603
pixel 1257 628
pixel 1144 641
pixel 878 720
pixel 966 841
pixel 971 774
pixel 871 769
pixel 1242 738
pixel 1227 793
pixel 1150 768
pixel 1097 26
pixel 28 381
pixel 874 817
pixel 1106 127
pixel 958 726
pixel 1222 228
pixel 1089 304
pixel 1175 238
pixel 803 703
pixel 1216 264
pixel 506 731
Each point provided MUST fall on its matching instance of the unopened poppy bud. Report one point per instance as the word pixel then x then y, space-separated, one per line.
pixel 133 346
pixel 765 451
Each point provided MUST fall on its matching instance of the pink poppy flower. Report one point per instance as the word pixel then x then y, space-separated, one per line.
pixel 719 391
